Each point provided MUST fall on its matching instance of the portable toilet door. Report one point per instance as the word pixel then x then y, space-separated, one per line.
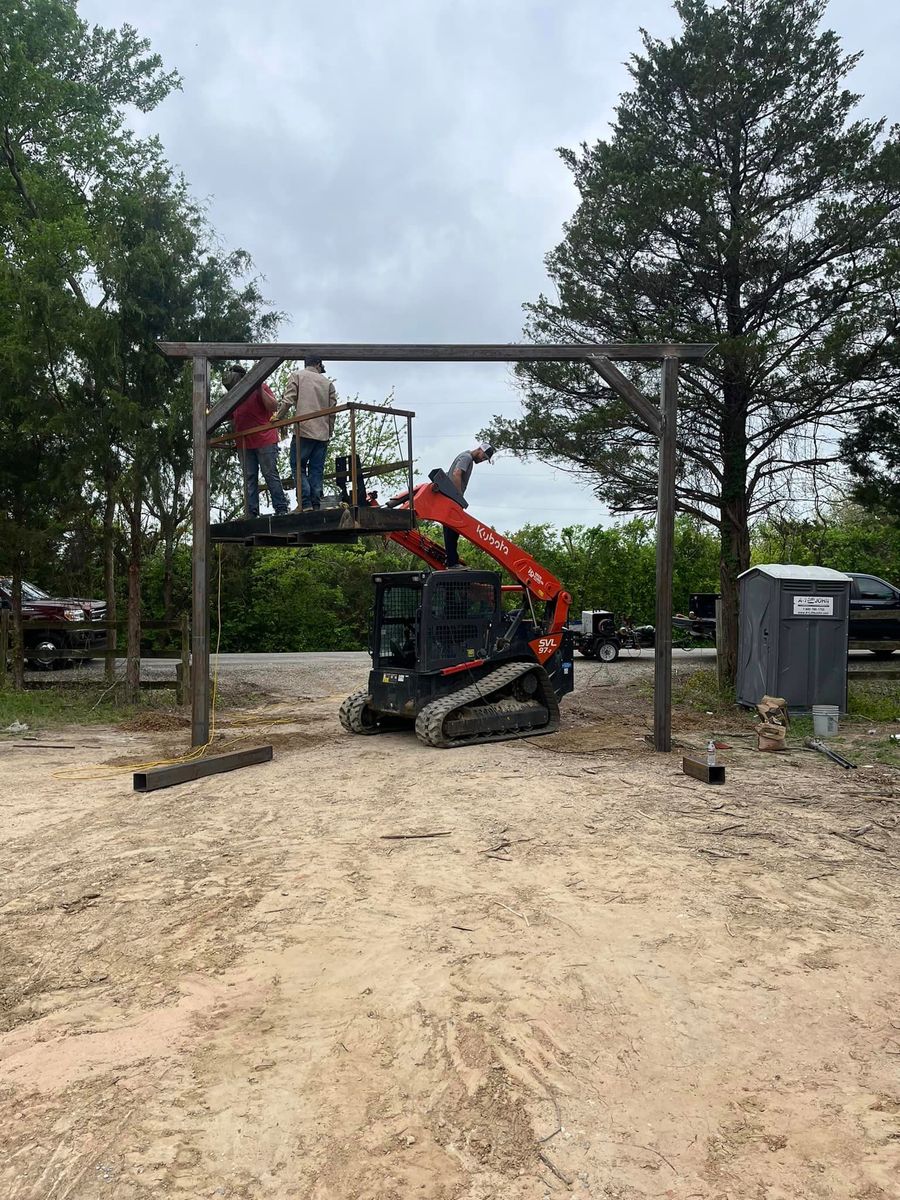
pixel 794 626
pixel 757 637
pixel 813 638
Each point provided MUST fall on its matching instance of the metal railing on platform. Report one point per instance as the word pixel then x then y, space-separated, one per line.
pixel 357 492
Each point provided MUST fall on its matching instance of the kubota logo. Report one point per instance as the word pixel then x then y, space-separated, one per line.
pixel 491 539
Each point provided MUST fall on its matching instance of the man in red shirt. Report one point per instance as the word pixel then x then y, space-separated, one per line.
pixel 257 451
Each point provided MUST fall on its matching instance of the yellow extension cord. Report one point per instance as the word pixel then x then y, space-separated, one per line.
pixel 106 771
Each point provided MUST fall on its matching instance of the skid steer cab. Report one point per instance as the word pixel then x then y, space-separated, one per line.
pixel 449 661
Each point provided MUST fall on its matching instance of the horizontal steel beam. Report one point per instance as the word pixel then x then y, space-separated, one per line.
pixel 455 352
pixel 213 764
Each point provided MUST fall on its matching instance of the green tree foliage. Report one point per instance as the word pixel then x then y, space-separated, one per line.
pixel 163 277
pixel 62 139
pixel 321 598
pixel 104 251
pixel 738 200
pixel 872 453
pixel 615 568
pixel 847 538
pixel 64 87
pixel 61 134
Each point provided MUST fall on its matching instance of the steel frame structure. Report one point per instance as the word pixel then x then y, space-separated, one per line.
pixel 661 419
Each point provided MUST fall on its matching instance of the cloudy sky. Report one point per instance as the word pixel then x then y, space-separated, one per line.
pixel 391 167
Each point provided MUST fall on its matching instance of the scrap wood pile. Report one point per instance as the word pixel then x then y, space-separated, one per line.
pixel 774 723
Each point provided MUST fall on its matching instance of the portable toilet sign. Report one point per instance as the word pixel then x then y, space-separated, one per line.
pixel 793 632
pixel 814 606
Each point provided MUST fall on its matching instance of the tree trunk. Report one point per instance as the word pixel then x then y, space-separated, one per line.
pixel 168 559
pixel 18 643
pixel 109 563
pixel 735 536
pixel 735 559
pixel 133 665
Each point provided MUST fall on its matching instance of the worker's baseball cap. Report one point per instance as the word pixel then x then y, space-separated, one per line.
pixel 488 449
pixel 233 374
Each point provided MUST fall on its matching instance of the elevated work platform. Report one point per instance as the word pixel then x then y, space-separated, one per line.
pixel 310 528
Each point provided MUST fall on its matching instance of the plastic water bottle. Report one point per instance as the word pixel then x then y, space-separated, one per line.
pixel 710 753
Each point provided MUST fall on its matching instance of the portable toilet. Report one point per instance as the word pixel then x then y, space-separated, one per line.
pixel 792 636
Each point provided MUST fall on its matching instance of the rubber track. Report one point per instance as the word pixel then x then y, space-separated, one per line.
pixel 351 715
pixel 430 721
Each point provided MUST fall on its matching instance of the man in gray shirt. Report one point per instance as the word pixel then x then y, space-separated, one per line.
pixel 309 391
pixel 460 472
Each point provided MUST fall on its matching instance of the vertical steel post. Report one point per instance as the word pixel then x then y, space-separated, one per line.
pixel 665 546
pixel 200 561
pixel 354 481
pixel 409 459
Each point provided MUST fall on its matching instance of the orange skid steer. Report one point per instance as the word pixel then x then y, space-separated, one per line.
pixel 447 658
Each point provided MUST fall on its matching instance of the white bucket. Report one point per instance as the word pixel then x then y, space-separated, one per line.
pixel 825 720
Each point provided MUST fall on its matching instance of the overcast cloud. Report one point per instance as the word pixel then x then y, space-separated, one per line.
pixel 391 168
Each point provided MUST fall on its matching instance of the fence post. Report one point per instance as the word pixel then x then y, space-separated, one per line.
pixel 18 655
pixel 110 655
pixel 183 671
pixel 4 645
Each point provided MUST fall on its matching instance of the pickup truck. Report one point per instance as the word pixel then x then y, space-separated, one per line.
pixel 874 615
pixel 38 607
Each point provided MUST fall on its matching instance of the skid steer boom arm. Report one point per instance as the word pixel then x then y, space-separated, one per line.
pixel 436 501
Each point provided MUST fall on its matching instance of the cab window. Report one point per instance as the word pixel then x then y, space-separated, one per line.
pixel 870 588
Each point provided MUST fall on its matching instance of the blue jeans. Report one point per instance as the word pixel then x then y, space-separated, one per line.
pixel 265 459
pixel 312 470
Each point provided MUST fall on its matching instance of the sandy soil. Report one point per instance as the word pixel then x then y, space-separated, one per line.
pixel 600 979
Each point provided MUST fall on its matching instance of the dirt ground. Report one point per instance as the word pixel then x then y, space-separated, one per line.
pixel 597 977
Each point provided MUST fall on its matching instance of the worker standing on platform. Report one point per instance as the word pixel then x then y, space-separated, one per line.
pixel 460 471
pixel 257 451
pixel 309 391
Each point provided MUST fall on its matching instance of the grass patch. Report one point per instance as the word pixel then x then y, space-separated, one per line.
pixel 874 700
pixel 48 708
pixel 888 753
pixel 700 690
pixel 801 726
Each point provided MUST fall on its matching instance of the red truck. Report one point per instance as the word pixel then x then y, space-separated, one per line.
pixel 38 607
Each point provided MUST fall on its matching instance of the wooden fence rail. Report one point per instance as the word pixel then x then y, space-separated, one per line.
pixel 107 650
